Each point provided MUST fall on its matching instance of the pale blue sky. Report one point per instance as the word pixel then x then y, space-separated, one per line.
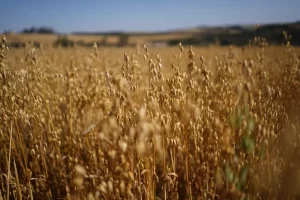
pixel 139 15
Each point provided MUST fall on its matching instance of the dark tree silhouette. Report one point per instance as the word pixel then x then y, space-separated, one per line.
pixel 41 30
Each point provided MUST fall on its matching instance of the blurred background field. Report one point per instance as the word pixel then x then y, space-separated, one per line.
pixel 223 36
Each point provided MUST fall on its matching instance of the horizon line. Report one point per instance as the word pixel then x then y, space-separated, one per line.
pixel 157 31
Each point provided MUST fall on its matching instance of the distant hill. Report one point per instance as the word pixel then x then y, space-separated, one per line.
pixel 225 35
pixel 240 35
pixel 236 34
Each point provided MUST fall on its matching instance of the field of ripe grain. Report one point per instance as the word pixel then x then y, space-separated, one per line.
pixel 150 123
pixel 48 39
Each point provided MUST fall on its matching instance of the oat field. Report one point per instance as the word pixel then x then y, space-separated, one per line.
pixel 150 123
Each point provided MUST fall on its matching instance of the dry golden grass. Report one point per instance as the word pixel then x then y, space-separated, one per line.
pixel 150 123
pixel 48 39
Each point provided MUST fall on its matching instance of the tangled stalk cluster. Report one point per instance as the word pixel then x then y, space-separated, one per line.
pixel 187 127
